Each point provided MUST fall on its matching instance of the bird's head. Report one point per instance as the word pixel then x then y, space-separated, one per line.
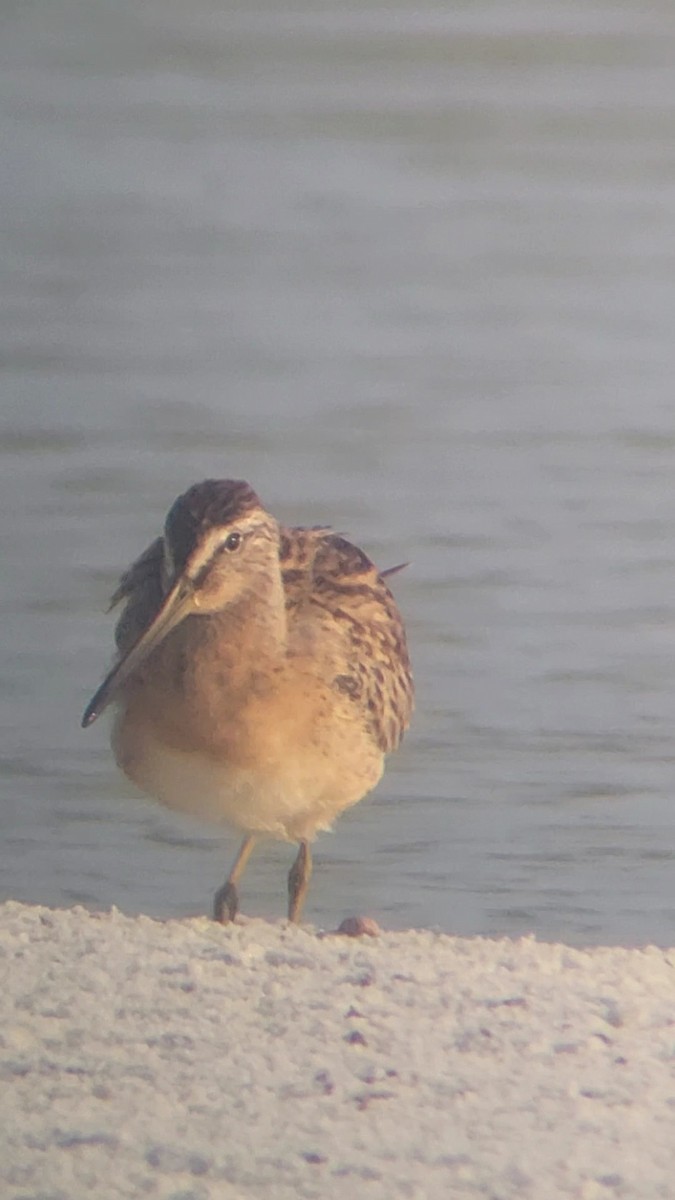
pixel 219 544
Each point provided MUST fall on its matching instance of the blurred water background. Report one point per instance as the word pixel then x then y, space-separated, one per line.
pixel 409 269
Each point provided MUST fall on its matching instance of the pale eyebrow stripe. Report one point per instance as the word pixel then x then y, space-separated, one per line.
pixel 206 551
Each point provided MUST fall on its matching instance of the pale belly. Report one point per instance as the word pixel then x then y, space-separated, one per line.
pixel 284 796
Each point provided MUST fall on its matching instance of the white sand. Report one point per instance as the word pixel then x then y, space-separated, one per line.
pixel 190 1061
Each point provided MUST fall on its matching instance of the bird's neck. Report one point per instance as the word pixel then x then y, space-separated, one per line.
pixel 241 646
pixel 258 622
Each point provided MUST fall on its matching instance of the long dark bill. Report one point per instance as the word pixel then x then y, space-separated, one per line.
pixel 178 604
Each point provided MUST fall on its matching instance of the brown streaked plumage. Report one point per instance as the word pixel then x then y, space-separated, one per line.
pixel 262 674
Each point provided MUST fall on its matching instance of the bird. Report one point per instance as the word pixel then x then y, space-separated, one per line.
pixel 261 675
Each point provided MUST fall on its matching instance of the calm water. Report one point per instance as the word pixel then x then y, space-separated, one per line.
pixel 410 269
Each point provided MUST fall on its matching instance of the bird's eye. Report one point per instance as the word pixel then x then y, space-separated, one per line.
pixel 233 541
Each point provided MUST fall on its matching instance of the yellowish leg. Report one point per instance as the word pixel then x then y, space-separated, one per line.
pixel 298 881
pixel 226 899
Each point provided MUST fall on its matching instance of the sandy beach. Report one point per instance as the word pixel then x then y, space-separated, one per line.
pixel 186 1061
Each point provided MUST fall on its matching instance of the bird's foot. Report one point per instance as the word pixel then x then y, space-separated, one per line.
pixel 226 903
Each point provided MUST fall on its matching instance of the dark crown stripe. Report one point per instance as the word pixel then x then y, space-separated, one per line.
pixel 205 506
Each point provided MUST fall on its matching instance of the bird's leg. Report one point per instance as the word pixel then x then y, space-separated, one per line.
pixel 226 899
pixel 298 881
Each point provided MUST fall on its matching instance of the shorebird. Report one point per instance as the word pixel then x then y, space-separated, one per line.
pixel 261 675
